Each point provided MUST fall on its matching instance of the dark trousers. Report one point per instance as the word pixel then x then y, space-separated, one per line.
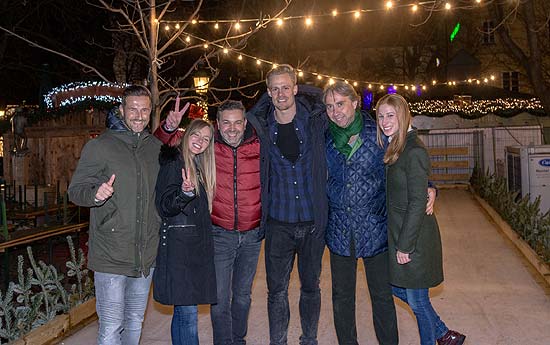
pixel 344 278
pixel 282 243
pixel 236 258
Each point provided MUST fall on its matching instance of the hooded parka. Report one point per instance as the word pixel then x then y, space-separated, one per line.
pixel 123 229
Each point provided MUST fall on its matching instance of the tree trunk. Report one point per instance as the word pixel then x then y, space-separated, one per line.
pixel 153 73
pixel 530 58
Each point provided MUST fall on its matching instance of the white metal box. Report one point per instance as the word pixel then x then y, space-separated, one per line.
pixel 528 171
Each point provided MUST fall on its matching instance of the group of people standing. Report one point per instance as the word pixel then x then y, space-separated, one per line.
pixel 284 171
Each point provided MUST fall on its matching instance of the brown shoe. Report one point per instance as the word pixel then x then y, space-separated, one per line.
pixel 451 338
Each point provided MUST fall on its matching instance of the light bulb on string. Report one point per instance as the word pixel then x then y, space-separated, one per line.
pixel 319 77
pixel 331 81
pixel 334 13
pixel 178 26
pixel 309 21
pixel 240 57
pixel 355 83
pixel 258 62
pixel 237 26
pixel 194 21
pixel 415 8
pixel 205 46
pixel 187 39
pixel 216 26
pixel 357 14
pixel 300 74
pixel 166 28
pixel 389 4
pixel 225 50
pixel 280 22
pixel 448 6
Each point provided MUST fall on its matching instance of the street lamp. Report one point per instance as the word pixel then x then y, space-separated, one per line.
pixel 201 79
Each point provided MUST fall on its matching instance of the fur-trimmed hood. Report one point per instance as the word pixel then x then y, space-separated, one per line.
pixel 169 154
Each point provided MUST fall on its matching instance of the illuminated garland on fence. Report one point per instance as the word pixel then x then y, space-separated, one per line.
pixel 82 87
pixel 503 107
pixel 98 98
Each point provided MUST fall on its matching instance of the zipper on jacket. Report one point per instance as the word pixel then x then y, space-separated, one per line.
pixel 236 217
pixel 140 210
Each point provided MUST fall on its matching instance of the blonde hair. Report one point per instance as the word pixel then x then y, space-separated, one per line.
pixel 281 69
pixel 206 162
pixel 404 119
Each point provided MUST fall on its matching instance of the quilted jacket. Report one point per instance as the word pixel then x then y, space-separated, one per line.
pixel 356 192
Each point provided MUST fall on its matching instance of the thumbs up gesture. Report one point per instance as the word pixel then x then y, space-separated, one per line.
pixel 187 185
pixel 106 190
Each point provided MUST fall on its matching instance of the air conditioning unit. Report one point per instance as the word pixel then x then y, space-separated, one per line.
pixel 528 172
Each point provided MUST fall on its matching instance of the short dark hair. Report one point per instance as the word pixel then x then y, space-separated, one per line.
pixel 230 105
pixel 135 90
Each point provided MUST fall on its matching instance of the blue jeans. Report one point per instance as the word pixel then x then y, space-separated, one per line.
pixel 430 325
pixel 236 258
pixel 184 325
pixel 120 304
pixel 283 242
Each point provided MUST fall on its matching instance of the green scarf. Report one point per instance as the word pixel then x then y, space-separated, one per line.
pixel 341 136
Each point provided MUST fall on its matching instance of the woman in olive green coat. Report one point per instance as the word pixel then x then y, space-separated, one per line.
pixel 413 236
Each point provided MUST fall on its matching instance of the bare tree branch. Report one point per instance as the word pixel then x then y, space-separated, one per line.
pixel 36 45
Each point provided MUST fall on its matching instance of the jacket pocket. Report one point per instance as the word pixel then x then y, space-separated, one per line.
pixel 110 221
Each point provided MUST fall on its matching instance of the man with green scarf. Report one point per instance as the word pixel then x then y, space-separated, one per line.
pixel 357 215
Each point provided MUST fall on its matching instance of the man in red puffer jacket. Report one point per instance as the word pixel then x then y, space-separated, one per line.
pixel 236 216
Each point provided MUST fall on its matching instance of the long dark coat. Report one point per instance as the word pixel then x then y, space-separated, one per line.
pixel 185 273
pixel 410 229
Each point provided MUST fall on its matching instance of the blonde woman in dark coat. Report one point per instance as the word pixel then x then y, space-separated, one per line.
pixel 185 275
pixel 413 236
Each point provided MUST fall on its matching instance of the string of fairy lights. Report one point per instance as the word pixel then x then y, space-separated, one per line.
pixel 240 56
pixel 481 107
pixel 49 98
pixel 423 107
pixel 309 20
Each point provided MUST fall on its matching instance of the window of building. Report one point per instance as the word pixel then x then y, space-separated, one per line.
pixel 488 32
pixel 510 81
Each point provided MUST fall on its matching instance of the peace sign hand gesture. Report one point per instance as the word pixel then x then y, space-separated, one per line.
pixel 174 116
pixel 187 185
